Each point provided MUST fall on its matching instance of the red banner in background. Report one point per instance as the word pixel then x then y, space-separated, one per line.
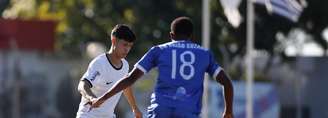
pixel 27 34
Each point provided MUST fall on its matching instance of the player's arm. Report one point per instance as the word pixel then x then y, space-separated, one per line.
pixel 223 79
pixel 84 88
pixel 128 93
pixel 119 86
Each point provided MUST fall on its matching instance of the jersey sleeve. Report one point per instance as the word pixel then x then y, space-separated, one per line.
pixel 213 68
pixel 149 60
pixel 92 73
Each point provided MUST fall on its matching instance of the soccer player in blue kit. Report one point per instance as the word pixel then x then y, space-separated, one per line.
pixel 182 65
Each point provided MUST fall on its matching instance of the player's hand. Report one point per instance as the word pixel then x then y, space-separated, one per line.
pixel 137 113
pixel 90 101
pixel 95 103
pixel 227 115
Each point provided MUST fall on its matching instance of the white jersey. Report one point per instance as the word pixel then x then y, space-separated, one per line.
pixel 102 75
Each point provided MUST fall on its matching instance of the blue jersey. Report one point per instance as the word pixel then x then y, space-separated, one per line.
pixel 182 66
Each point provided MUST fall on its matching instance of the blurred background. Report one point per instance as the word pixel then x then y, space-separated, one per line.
pixel 46 45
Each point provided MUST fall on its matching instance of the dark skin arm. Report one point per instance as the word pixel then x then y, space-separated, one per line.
pixel 136 74
pixel 224 80
pixel 119 86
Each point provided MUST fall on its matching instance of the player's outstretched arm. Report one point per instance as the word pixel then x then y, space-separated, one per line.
pixel 84 88
pixel 119 86
pixel 223 79
pixel 128 93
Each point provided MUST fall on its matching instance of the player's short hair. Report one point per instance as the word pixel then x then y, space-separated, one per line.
pixel 182 26
pixel 123 32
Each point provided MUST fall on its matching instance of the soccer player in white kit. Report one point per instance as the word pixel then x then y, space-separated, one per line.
pixel 105 70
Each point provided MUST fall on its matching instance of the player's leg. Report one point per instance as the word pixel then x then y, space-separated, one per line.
pixel 157 111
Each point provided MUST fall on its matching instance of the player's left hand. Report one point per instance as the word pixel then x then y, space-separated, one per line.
pixel 137 113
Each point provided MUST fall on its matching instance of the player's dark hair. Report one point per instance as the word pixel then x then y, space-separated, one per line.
pixel 182 26
pixel 123 32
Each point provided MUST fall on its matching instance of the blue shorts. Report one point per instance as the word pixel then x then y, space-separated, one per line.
pixel 159 111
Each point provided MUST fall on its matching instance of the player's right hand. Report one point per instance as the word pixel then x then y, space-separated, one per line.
pixel 137 113
pixel 90 102
pixel 96 103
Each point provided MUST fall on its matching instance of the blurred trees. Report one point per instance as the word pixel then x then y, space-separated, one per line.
pixel 3 5
pixel 313 21
pixel 82 21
